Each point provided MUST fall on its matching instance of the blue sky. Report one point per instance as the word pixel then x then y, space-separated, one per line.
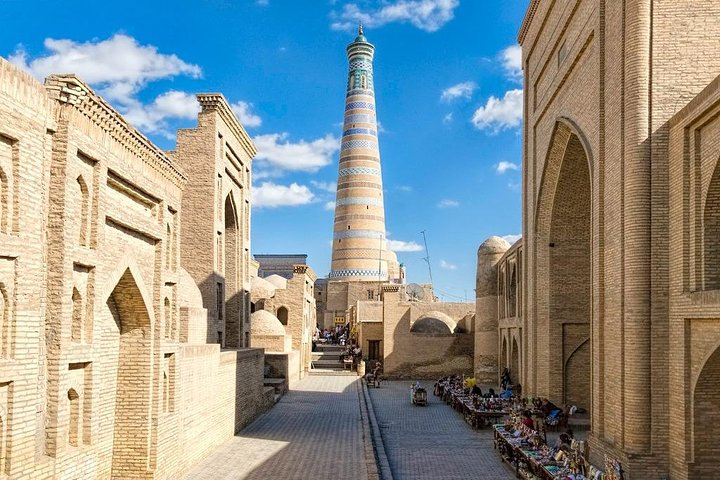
pixel 448 91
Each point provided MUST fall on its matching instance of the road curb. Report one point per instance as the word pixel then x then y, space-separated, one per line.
pixel 376 450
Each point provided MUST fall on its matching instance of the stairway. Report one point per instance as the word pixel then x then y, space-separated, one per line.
pixel 327 360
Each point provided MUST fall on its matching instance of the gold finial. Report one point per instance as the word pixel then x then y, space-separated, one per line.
pixel 360 30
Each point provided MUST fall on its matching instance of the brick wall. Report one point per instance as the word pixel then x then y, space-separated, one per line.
pixel 606 78
pixel 97 377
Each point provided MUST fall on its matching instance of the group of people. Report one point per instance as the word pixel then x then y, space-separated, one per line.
pixel 550 412
pixel 334 336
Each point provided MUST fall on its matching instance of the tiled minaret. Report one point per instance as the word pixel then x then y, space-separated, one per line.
pixel 359 232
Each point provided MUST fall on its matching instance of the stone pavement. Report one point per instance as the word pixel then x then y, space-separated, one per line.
pixel 432 442
pixel 314 431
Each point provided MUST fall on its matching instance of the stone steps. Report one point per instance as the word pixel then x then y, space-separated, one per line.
pixel 331 371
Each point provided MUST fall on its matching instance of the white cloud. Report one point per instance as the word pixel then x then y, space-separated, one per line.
pixel 448 118
pixel 461 90
pixel 152 117
pixel 512 62
pixel 402 246
pixel 262 3
pixel 447 266
pixel 246 117
pixel 447 203
pixel 119 66
pixel 329 206
pixel 271 195
pixel 404 188
pixel 511 238
pixel 427 15
pixel 504 166
pixel 330 187
pixel 500 114
pixel 277 151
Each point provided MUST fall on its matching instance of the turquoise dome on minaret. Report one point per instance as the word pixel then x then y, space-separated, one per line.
pixel 361 36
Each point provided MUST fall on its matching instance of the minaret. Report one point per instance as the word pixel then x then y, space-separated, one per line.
pixel 359 233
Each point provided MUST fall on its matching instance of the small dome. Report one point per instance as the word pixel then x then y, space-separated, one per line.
pixel 263 322
pixel 434 322
pixel 493 245
pixel 278 281
pixel 360 36
pixel 261 288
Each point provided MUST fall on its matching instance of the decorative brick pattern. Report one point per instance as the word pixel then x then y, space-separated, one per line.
pixel 618 276
pixel 96 382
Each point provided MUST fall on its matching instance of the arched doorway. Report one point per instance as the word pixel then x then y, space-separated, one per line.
pixel 132 422
pixel 232 295
pixel 706 420
pixel 282 315
pixel 564 270
pixel 503 356
pixel 515 362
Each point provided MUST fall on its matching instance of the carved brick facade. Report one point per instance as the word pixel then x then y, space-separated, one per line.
pixel 97 376
pixel 618 308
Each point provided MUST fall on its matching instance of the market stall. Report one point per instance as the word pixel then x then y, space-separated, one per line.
pixel 533 459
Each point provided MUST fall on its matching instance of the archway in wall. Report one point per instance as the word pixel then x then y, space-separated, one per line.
pixel 133 422
pixel 282 315
pixel 232 295
pixel 504 356
pixel 512 293
pixel 515 362
pixel 564 271
pixel 711 233
pixel 706 420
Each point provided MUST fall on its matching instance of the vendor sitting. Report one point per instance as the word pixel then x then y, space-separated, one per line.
pixel 476 390
pixel 564 440
pixel 547 407
pixel 527 420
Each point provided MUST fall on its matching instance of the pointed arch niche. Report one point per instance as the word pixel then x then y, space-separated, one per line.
pixel 233 297
pixel 132 421
pixel 564 268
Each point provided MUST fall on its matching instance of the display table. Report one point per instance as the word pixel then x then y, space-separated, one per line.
pixel 533 459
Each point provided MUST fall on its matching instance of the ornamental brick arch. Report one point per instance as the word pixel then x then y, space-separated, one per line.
pixel 563 261
pixel 132 435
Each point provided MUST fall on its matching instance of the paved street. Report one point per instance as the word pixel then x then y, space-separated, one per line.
pixel 432 442
pixel 314 431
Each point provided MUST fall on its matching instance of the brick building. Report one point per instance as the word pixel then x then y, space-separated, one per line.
pixel 613 304
pixel 106 371
pixel 284 285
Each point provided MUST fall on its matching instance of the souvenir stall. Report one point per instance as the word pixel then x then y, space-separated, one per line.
pixel 527 450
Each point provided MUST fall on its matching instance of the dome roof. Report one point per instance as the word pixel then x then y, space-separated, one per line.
pixel 494 245
pixel 188 292
pixel 434 322
pixel 261 288
pixel 277 280
pixel 263 322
